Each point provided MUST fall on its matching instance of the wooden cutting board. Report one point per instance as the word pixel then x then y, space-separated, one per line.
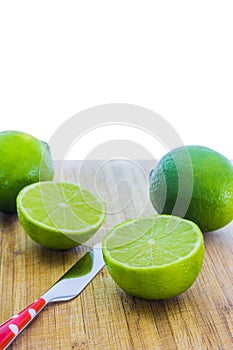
pixel 103 316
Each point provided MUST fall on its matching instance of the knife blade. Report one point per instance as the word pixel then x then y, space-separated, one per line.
pixel 69 286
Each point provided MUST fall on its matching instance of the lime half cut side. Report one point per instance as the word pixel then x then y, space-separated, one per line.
pixel 59 215
pixel 154 257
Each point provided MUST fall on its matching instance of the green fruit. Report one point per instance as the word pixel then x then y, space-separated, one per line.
pixel 196 183
pixel 59 215
pixel 154 257
pixel 23 160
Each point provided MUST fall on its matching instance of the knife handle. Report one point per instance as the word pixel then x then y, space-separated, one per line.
pixel 12 327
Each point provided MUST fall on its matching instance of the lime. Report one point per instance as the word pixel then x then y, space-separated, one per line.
pixel 59 215
pixel 154 257
pixel 23 160
pixel 196 183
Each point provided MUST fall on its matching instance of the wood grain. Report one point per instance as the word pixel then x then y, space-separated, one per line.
pixel 103 316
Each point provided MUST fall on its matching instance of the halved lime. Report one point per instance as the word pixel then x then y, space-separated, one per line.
pixel 59 215
pixel 154 257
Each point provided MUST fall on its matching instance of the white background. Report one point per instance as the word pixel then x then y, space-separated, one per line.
pixel 174 57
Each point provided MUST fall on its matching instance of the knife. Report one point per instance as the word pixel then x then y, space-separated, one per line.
pixel 69 286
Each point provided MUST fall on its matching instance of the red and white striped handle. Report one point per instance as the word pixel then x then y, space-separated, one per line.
pixel 12 327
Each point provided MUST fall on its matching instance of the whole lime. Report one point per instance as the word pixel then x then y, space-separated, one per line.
pixel 23 160
pixel 196 183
